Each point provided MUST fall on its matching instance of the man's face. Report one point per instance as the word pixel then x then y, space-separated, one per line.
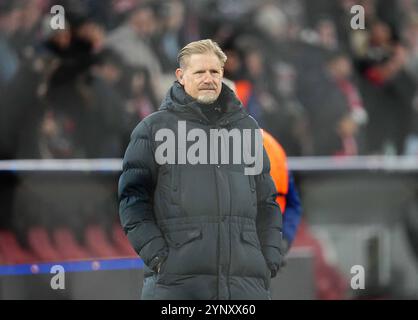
pixel 201 77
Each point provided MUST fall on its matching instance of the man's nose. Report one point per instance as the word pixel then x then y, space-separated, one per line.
pixel 208 77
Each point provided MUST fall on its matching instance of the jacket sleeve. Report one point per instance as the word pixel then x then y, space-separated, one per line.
pixel 269 217
pixel 136 189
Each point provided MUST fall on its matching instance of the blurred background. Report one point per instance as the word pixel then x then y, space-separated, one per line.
pixel 343 103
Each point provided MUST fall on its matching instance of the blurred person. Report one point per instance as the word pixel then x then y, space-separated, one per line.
pixel 388 90
pixel 234 67
pixel 243 81
pixel 178 26
pixel 93 33
pixel 172 35
pixel 359 39
pixel 295 11
pixel 268 93
pixel 391 12
pixel 326 106
pixel 288 196
pixel 109 67
pixel 338 110
pixel 87 41
pixel 106 86
pixel 327 34
pixel 217 18
pixel 275 32
pixel 351 126
pixel 9 55
pixel 133 40
pixel 141 101
pixel 56 41
pixel 73 91
pixel 319 40
pixel 287 121
pixel 271 20
pixel 410 36
pixel 56 138
pixel 142 97
pixel 236 71
pixel 27 35
pixel 125 95
pixel 77 47
pixel 232 11
pixel 110 13
pixel 173 213
pixel 25 107
pixel 278 32
pixel 260 99
pixel 89 116
pixel 339 13
pixel 341 70
pixel 11 14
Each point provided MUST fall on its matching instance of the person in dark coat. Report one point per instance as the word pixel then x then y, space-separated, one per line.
pixel 204 230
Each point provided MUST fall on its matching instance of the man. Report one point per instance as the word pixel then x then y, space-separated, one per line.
pixel 204 230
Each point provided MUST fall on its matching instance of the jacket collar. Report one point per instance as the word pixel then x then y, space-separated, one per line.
pixel 178 101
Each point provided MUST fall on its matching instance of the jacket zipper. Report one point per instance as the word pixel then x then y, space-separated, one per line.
pixel 219 267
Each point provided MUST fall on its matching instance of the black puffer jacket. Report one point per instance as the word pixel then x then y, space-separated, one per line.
pixel 216 231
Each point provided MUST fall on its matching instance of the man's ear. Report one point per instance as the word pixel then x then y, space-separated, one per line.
pixel 180 75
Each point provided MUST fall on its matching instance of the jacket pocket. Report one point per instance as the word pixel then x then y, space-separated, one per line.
pixel 177 239
pixel 258 263
pixel 251 238
pixel 182 257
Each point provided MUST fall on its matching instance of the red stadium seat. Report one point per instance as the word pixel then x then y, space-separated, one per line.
pixel 41 245
pixel 12 252
pixel 121 242
pixel 68 246
pixel 98 244
pixel 330 283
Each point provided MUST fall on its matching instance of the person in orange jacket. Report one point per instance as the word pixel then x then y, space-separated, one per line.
pixel 288 196
pixel 330 284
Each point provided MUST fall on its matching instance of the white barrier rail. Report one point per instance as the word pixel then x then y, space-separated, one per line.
pixel 361 163
pixel 79 165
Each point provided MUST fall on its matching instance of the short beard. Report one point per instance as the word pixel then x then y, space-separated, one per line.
pixel 207 99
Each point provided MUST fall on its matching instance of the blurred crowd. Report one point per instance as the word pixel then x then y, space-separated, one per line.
pixel 317 85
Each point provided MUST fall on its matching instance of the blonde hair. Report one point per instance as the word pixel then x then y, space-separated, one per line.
pixel 200 47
